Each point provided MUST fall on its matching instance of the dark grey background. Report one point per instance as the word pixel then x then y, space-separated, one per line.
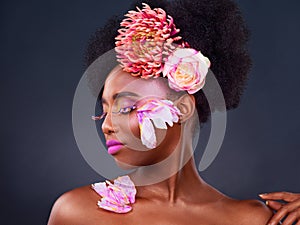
pixel 42 45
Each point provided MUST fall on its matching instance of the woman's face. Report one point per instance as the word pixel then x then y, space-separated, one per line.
pixel 122 93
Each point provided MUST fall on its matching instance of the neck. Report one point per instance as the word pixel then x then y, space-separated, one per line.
pixel 176 187
pixel 175 178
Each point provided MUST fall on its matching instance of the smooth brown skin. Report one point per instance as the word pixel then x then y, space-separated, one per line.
pixel 290 210
pixel 183 198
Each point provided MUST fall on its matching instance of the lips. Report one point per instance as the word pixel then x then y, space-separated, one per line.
pixel 113 146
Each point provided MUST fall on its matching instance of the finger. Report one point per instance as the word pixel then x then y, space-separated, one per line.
pixel 291 218
pixel 274 205
pixel 298 223
pixel 286 196
pixel 276 219
pixel 285 210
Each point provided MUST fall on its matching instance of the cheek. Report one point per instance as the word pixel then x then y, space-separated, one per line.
pixel 130 133
pixel 135 130
pixel 134 125
pixel 160 135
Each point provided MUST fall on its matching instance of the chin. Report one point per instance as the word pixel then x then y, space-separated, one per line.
pixel 128 159
pixel 124 166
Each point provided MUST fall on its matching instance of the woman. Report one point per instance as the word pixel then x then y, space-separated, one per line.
pixel 149 119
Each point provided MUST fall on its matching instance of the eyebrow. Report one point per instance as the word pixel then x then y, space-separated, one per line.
pixel 121 94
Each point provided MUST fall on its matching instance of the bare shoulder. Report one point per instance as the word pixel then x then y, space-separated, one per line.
pixel 73 205
pixel 253 212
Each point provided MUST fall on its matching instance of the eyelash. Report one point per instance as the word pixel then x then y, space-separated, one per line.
pixel 123 111
pixel 127 109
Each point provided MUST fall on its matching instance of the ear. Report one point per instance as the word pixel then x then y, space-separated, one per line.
pixel 186 105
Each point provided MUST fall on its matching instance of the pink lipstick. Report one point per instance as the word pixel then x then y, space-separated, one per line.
pixel 113 146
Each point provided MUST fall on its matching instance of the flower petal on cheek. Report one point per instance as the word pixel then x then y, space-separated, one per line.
pixel 165 115
pixel 147 133
pixel 159 123
pixel 161 112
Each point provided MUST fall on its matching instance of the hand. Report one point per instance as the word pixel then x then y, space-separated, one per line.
pixel 290 209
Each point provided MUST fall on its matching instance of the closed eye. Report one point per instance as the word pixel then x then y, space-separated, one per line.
pixel 125 110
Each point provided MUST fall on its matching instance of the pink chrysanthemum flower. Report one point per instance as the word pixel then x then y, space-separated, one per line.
pixel 144 41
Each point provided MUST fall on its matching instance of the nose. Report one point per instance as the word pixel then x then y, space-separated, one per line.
pixel 107 127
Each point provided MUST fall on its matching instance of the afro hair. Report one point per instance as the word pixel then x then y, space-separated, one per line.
pixel 216 27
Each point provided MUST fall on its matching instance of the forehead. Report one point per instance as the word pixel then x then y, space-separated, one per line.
pixel 120 81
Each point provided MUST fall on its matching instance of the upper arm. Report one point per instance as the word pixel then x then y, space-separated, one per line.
pixel 257 213
pixel 61 213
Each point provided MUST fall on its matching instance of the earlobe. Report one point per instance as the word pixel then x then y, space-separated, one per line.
pixel 186 105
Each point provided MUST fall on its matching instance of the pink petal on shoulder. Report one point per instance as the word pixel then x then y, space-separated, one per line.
pixel 128 187
pixel 100 188
pixel 104 204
